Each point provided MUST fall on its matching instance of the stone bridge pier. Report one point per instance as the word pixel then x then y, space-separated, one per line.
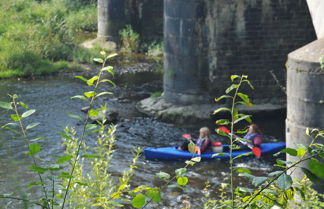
pixel 206 41
pixel 305 87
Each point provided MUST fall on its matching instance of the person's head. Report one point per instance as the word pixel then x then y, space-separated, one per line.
pixel 204 132
pixel 253 128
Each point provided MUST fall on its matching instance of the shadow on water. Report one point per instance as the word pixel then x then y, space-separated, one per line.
pixel 51 98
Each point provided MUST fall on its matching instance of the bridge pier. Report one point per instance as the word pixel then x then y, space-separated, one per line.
pixel 305 96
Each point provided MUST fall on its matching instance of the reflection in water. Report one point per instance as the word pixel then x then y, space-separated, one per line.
pixel 51 98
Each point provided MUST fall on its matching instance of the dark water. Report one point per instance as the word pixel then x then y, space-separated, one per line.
pixel 51 98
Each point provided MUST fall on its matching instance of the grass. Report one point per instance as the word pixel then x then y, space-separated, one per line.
pixel 40 37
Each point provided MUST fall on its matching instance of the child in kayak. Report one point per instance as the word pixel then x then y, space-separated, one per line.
pixel 202 143
pixel 253 137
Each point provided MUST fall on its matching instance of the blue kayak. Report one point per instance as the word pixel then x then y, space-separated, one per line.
pixel 172 153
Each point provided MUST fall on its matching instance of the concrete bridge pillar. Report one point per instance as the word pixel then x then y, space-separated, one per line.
pixel 185 52
pixel 111 19
pixel 305 95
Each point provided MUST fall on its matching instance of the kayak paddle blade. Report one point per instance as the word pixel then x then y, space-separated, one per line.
pixel 257 152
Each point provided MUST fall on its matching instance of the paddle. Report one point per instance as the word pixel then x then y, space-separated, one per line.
pixel 191 146
pixel 255 150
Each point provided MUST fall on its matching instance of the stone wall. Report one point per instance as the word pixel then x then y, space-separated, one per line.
pixel 145 16
pixel 223 37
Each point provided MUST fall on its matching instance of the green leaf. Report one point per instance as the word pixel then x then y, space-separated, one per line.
pixel 15 117
pixel 98 60
pixel 114 203
pixel 38 169
pixel 221 109
pixel 243 155
pixel 65 174
pixel 290 151
pixel 92 80
pixel 65 136
pixel 219 154
pixel 316 167
pixel 284 182
pixel 181 171
pixel 275 173
pixel 301 152
pixel 246 99
pixel 77 117
pixel 91 126
pixel 23 105
pixel 232 87
pixel 5 105
pixel 223 97
pixel 55 167
pixel 28 113
pixel 243 170
pixel 90 156
pixel 107 81
pixel 102 52
pixel 233 77
pixel 80 97
pixel 64 159
pixel 30 126
pixel 243 131
pixel 109 69
pixel 182 180
pixel 163 175
pixel 104 93
pixel 245 117
pixel 311 176
pixel 247 175
pixel 93 113
pixel 221 132
pixel 138 201
pixel 307 132
pixel 196 159
pixel 249 83
pixel 111 55
pixel 154 194
pixel 34 184
pixel 245 190
pixel 81 78
pixel 90 94
pixel 222 122
pixel 10 124
pixel 257 181
pixel 34 148
pixel 37 139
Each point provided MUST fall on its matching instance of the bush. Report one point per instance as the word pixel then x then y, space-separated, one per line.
pixel 130 39
pixel 83 20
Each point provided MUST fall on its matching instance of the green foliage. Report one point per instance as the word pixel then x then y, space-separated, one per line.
pixel 130 39
pixel 74 187
pixel 83 20
pixel 156 94
pixel 35 37
pixel 154 49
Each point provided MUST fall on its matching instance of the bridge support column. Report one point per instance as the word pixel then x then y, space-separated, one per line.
pixel 305 95
pixel 185 52
pixel 111 19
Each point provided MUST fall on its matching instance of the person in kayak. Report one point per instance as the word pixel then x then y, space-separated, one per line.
pixel 253 137
pixel 202 143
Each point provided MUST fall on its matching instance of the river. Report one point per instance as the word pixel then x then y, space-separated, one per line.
pixel 50 96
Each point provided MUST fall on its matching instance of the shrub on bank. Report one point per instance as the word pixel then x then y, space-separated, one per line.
pixel 35 35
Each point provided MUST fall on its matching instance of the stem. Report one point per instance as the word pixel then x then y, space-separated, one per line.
pixel 231 140
pixel 82 137
pixel 27 142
